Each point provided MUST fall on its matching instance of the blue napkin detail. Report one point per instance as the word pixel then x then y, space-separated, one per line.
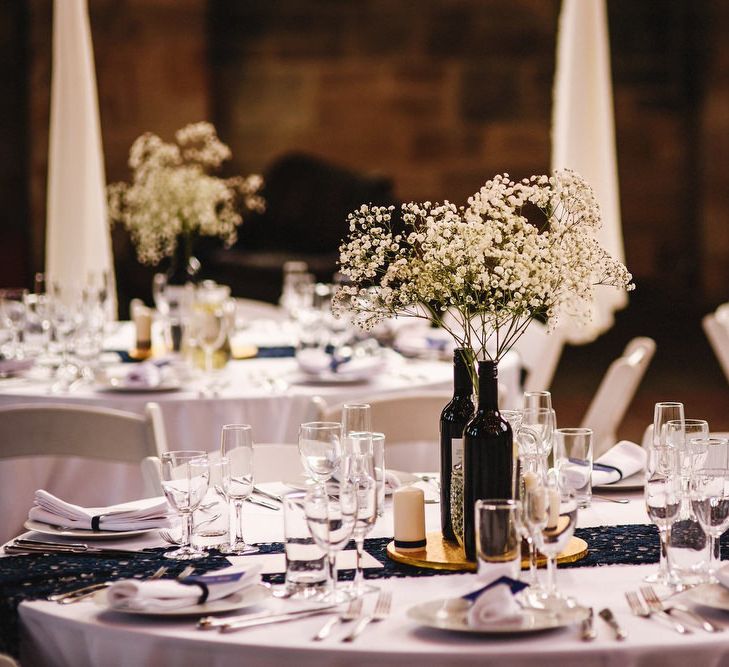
pixel 513 584
pixel 606 468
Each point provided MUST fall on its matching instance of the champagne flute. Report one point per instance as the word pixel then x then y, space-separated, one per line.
pixel 236 445
pixel 184 476
pixel 664 412
pixel 356 418
pixel 360 471
pixel 320 448
pixel 663 499
pixel 556 527
pixel 531 477
pixel 710 502
pixel 331 515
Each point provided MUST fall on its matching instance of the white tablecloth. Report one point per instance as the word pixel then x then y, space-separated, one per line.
pixel 84 634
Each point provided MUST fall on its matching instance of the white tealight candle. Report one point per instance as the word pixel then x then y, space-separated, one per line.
pixel 409 517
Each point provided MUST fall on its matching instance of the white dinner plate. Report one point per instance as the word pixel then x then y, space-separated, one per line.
pixel 404 478
pixel 634 482
pixel 709 595
pixel 448 614
pixel 128 389
pixel 245 598
pixel 47 529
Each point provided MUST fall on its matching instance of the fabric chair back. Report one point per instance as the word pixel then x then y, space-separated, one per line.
pixel 616 392
pixel 540 352
pixel 410 422
pixel 716 328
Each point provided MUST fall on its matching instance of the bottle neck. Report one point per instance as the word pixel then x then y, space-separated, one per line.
pixel 462 382
pixel 488 388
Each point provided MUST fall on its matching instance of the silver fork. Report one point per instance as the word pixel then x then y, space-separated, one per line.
pixel 352 613
pixel 639 609
pixel 654 601
pixel 380 613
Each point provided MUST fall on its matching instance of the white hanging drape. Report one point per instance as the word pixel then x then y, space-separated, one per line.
pixel 78 241
pixel 583 137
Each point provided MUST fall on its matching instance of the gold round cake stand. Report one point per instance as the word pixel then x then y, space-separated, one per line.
pixel 440 554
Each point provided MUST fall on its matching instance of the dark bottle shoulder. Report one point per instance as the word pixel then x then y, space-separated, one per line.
pixel 458 409
pixel 487 422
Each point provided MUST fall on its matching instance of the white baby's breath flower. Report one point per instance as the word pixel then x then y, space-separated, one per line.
pixel 172 194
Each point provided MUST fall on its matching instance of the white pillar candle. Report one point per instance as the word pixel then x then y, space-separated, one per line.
pixel 531 480
pixel 409 518
pixel 142 317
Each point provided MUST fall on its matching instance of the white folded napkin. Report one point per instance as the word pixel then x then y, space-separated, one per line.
pixel 432 495
pixel 143 376
pixel 626 457
pixel 495 604
pixel 158 595
pixel 392 481
pixel 317 362
pixel 722 574
pixel 136 515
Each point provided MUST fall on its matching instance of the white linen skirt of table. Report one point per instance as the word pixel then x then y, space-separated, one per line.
pixel 84 635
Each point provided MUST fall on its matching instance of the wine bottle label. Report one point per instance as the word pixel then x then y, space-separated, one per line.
pixel 456 451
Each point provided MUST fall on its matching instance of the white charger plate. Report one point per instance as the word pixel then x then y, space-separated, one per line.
pixel 715 596
pixel 443 614
pixel 48 529
pixel 634 482
pixel 245 598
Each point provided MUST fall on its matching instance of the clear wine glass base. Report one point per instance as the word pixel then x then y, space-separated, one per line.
pixel 337 596
pixel 359 591
pixel 186 553
pixel 238 549
pixel 660 577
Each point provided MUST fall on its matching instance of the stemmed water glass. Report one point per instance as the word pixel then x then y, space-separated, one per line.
pixel 331 514
pixel 663 500
pixel 539 425
pixel 552 509
pixel 537 399
pixel 360 471
pixel 531 476
pixel 12 316
pixel 211 328
pixel 236 445
pixel 710 502
pixel 320 447
pixel 185 476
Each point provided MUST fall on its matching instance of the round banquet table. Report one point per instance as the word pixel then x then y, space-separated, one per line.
pixel 86 634
pixel 271 394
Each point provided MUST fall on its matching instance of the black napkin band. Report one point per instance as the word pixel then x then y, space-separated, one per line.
pixel 608 468
pixel 415 544
pixel 96 522
pixel 203 587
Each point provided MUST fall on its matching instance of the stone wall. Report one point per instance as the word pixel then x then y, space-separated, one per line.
pixel 436 94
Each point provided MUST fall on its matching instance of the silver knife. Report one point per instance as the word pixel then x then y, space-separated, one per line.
pixel 607 616
pixel 262 503
pixel 251 620
pixel 587 630
pixel 266 494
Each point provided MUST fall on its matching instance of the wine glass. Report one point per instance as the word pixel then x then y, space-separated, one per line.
pixel 331 514
pixel 538 426
pixel 663 500
pixel 360 471
pixel 537 399
pixel 185 476
pixel 678 434
pixel 556 527
pixel 211 328
pixel 710 502
pixel 236 445
pixel 356 418
pixel 320 448
pixel 709 452
pixel 13 314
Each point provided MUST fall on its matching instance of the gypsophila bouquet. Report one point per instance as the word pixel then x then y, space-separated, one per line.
pixel 518 251
pixel 173 198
